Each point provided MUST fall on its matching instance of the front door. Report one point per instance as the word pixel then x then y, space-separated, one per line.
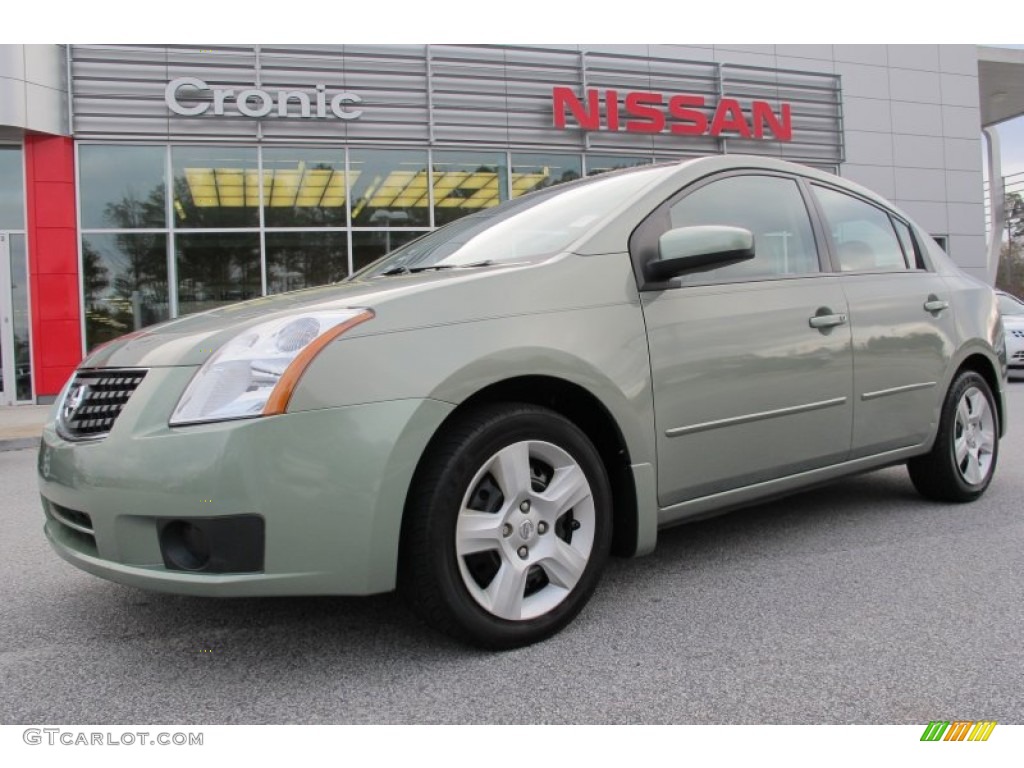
pixel 751 363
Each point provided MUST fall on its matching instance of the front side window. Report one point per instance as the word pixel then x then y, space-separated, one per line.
pixel 771 207
pixel 863 235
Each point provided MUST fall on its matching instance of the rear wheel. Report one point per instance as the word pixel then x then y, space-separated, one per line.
pixel 508 526
pixel 963 459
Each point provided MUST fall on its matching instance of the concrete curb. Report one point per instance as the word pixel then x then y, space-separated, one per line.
pixel 19 444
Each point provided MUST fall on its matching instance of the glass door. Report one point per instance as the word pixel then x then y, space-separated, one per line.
pixel 6 324
pixel 15 360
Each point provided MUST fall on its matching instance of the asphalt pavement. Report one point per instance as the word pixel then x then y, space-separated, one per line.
pixel 858 602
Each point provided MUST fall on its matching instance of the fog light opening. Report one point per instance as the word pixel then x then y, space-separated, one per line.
pixel 185 546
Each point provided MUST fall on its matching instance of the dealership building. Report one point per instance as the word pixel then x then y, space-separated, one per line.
pixel 140 183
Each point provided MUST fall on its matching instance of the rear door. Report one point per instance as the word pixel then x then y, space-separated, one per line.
pixel 901 319
pixel 751 363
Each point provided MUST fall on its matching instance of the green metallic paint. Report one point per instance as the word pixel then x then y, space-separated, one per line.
pixel 331 477
pixel 331 489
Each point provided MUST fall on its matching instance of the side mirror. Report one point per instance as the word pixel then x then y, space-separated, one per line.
pixel 698 249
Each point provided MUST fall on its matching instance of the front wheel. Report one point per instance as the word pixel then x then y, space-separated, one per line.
pixel 508 526
pixel 962 461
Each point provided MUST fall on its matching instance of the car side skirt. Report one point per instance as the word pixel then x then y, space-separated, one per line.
pixel 727 501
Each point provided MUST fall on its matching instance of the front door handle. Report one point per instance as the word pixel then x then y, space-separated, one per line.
pixel 935 304
pixel 827 320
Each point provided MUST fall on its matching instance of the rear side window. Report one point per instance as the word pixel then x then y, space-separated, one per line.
pixel 863 235
pixel 908 243
pixel 769 206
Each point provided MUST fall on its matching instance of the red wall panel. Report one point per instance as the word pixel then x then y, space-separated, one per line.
pixel 53 260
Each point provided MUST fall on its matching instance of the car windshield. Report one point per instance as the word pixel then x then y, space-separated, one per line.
pixel 524 229
pixel 1008 305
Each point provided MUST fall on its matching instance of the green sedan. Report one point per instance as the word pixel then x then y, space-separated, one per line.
pixel 483 416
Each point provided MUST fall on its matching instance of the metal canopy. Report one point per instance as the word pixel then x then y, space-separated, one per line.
pixel 1000 84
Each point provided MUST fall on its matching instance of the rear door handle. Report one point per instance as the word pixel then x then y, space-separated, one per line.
pixel 827 321
pixel 935 304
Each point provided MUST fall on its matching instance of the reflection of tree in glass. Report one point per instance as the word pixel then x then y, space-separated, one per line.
pixel 131 212
pixel 141 276
pixel 126 285
pixel 319 215
pixel 190 215
pixel 301 260
pixel 100 325
pixel 143 273
pixel 1010 276
pixel 215 269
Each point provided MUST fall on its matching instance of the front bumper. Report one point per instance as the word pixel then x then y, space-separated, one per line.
pixel 329 484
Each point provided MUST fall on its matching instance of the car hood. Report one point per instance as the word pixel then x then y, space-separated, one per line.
pixel 401 302
pixel 190 340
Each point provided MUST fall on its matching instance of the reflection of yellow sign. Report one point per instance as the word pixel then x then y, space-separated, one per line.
pixel 327 188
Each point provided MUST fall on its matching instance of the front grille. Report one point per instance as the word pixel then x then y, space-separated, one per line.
pixel 94 401
pixel 1018 356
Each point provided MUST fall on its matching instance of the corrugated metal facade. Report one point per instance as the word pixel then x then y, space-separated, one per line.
pixel 441 96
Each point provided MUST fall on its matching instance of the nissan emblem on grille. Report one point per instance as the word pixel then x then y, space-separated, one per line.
pixel 74 401
pixel 94 401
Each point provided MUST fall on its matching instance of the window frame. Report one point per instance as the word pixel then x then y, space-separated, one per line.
pixel 643 242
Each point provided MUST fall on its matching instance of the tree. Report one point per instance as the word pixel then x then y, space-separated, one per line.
pixel 1010 276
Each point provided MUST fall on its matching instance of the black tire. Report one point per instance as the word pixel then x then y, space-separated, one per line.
pixel 529 578
pixel 961 463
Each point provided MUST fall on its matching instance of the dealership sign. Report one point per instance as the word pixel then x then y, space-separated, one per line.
pixel 256 102
pixel 682 113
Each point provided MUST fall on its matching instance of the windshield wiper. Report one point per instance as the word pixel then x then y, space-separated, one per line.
pixel 404 270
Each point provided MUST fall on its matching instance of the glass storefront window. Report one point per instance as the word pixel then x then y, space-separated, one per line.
pixel 122 187
pixel 216 269
pixel 389 188
pixel 530 172
pixel 304 259
pixel 603 163
pixel 12 188
pixel 125 283
pixel 215 187
pixel 304 187
pixel 367 247
pixel 465 182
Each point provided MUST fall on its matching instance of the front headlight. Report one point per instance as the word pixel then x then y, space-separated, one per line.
pixel 255 373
